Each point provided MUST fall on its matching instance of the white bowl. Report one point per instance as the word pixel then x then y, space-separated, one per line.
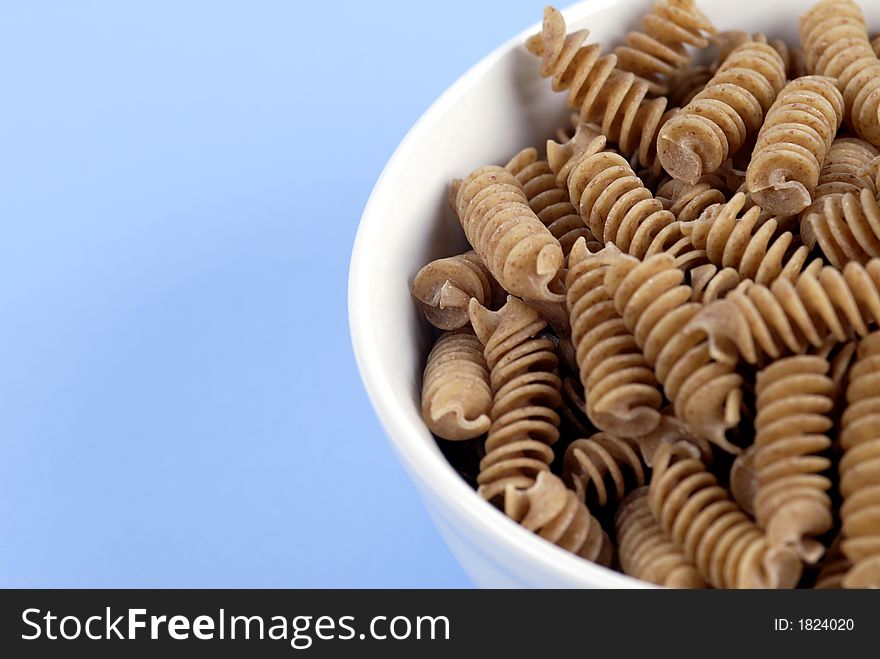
pixel 499 107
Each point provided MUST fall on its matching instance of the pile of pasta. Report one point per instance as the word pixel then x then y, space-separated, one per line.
pixel 662 352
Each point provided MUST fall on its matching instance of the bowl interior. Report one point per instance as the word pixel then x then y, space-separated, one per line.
pixel 501 106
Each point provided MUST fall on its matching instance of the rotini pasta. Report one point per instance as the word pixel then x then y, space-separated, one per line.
pixel 445 287
pixel 659 51
pixel 516 247
pixel 456 396
pixel 835 42
pixel 791 498
pixel 716 123
pixel 602 469
pixel 686 201
pixel 860 468
pixel 526 394
pixel 622 394
pixel 796 135
pixel 848 229
pixel 646 552
pixel 833 568
pixel 725 545
pixel 603 94
pixel 552 511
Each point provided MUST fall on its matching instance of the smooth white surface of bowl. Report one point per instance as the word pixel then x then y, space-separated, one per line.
pixel 499 107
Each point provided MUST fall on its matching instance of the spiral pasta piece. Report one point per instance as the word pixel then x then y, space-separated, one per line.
pixel 622 395
pixel 444 289
pixel 756 249
pixel 717 122
pixel 791 493
pixel 687 82
pixel 835 42
pixel 796 135
pixel 849 228
pixel 657 52
pixel 512 242
pixel 860 468
pixel 833 568
pixel 553 512
pixel 603 94
pixel 549 201
pixel 656 307
pixel 729 550
pixel 574 409
pixel 688 201
pixel 456 396
pixel 526 394
pixel 787 317
pixel 602 469
pixel 644 549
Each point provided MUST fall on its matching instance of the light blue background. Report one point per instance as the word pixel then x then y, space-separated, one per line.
pixel 180 186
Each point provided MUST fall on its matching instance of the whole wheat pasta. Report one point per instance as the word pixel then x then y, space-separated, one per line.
pixel 621 392
pixel 709 282
pixel 655 305
pixel 835 42
pixel 552 511
pixel 659 51
pixel 716 123
pixel 603 94
pixel 860 468
pixel 526 394
pixel 744 480
pixel 574 409
pixel 757 250
pixel 791 493
pixel 725 545
pixel 602 469
pixel 845 170
pixel 456 396
pixel 875 44
pixel 794 139
pixel 787 317
pixel 516 247
pixel 672 430
pixel 730 40
pixel 848 228
pixel 688 201
pixel 549 201
pixel 445 287
pixel 687 82
pixel 644 549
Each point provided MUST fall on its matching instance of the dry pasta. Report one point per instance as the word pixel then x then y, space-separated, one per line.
pixel 602 469
pixel 445 287
pixel 860 468
pixel 848 228
pixel 797 133
pixel 456 396
pixel 646 552
pixel 526 393
pixel 656 53
pixel 716 123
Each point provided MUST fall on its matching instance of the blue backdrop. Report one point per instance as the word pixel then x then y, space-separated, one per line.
pixel 180 186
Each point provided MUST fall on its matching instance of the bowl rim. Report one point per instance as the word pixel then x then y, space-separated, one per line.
pixel 431 468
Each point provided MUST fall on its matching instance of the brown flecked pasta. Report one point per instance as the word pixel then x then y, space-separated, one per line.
pixel 688 201
pixel 860 468
pixel 659 51
pixel 710 283
pixel 845 170
pixel 792 58
pixel 549 201
pixel 797 133
pixel 716 123
pixel 791 492
pixel 603 94
pixel 512 242
pixel 553 512
pixel 622 395
pixel 644 549
pixel 456 396
pixel 833 568
pixel 526 394
pixel 756 249
pixel 656 307
pixel 687 82
pixel 714 534
pixel 602 469
pixel 835 42
pixel 444 289
pixel 787 317
pixel 744 480
pixel 848 229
